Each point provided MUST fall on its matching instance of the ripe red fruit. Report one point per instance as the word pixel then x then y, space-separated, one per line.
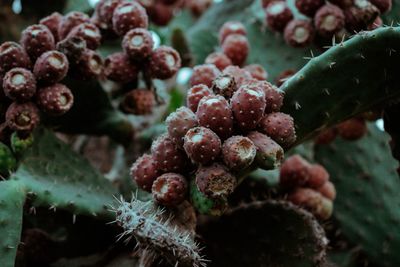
pixel 299 33
pixel 118 68
pixel 170 189
pixel 214 113
pixel 257 72
pixel 220 60
pixel 104 11
pixel 229 28
pixel 89 65
pixel 343 4
pixel 52 22
pixel 309 7
pixel 317 176
pixel 376 24
pixel 70 21
pixel 215 181
pixel 22 117
pixel 202 145
pixel 329 20
pixel 164 63
pixel 328 190
pixel 139 102
pixel 241 76
pixel 51 67
pixel 144 172
pixel 238 152
pixel 327 136
pixel 224 85
pixel 273 96
pixel 278 15
pixel 269 154
pixel 360 15
pixel 128 16
pixel 12 55
pixel 138 44
pixel 179 123
pixel 313 201
pixel 36 40
pixel 19 84
pixel 88 32
pixel 195 94
pixel 204 74
pixel 236 47
pixel 384 6
pixel 72 48
pixel 294 172
pixel 352 129
pixel 55 99
pixel 160 14
pixel 280 127
pixel 198 7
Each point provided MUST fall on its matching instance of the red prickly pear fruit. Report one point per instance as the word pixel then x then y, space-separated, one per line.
pixel 55 100
pixel 36 40
pixel 269 154
pixel 326 137
pixel 384 6
pixel 352 129
pixel 164 63
pixel 118 68
pixel 170 189
pixel 214 113
pixel 343 4
pixel 12 55
pixel 105 10
pixel 236 47
pixel 52 22
pixel 19 84
pixel 329 20
pixel 215 181
pixel 204 74
pixel 179 123
pixel 278 15
pixel 299 33
pixel 198 7
pixel 257 72
pixel 313 201
pixel 220 60
pixel 144 172
pixel 280 127
pixel 169 2
pixel 89 65
pixel 377 23
pixel 248 107
pixel 195 94
pixel 160 14
pixel 88 32
pixel 224 85
pixel 202 145
pixel 229 28
pixel 328 190
pixel 309 7
pixel 317 176
pixel 360 15
pixel 294 172
pixel 70 21
pixel 139 102
pixel 273 97
pixel 241 76
pixel 284 76
pixel 128 16
pixel 167 156
pixel 72 48
pixel 138 44
pixel 22 117
pixel 51 67
pixel 238 152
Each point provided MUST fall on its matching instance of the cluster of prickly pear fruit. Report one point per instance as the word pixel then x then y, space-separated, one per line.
pixel 325 20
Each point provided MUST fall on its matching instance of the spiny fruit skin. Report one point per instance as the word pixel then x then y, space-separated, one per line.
pixel 360 15
pixel 138 44
pixel 170 189
pixel 179 123
pixel 55 100
pixel 269 154
pixel 229 28
pixel 327 136
pixel 105 10
pixel 202 145
pixel 22 117
pixel 280 127
pixel 248 107
pixel 273 96
pixel 318 176
pixel 384 6
pixel 118 68
pixel 19 144
pixel 139 102
pixel 329 20
pixel 164 62
pixel 128 16
pixel 70 21
pixel 160 14
pixel 36 40
pixel 224 85
pixel 352 129
pixel 19 84
pixel 215 181
pixel 220 60
pixel 328 190
pixel 278 15
pixel 299 33
pixel 90 65
pixel 294 172
pixel 88 32
pixel 313 201
pixel 238 152
pixel 241 76
pixel 236 47
pixel 72 48
pixel 144 172
pixel 204 204
pixel 52 22
pixel 12 55
pixel 51 67
pixel 309 7
pixel 214 113
pixel 195 94
pixel 257 72
pixel 204 74
pixel 8 162
pixel 167 156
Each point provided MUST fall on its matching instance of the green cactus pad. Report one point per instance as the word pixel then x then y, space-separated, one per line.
pixel 367 204
pixel 270 233
pixel 56 177
pixel 19 145
pixel 12 198
pixel 8 162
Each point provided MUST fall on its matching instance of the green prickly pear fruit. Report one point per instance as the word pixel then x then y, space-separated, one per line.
pixel 204 204
pixel 20 144
pixel 7 160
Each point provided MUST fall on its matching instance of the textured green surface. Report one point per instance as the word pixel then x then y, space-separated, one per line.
pixel 7 160
pixel 19 145
pixel 12 198
pixel 56 177
pixel 368 201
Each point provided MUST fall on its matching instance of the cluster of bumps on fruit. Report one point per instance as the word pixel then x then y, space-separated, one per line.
pixel 308 186
pixel 232 124
pixel 325 20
